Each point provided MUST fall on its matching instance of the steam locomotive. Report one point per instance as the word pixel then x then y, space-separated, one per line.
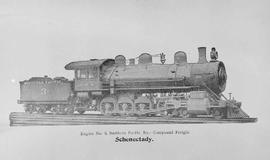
pixel 121 87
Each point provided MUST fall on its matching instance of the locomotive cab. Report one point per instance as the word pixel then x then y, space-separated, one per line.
pixel 87 79
pixel 88 74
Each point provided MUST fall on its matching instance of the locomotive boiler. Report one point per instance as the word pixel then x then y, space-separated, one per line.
pixel 122 87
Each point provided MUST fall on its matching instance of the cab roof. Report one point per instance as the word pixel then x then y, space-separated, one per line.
pixel 88 64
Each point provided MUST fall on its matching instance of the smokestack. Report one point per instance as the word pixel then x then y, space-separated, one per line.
pixel 202 55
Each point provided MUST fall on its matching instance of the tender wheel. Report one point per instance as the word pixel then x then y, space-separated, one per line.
pixel 54 109
pixel 57 109
pixel 70 110
pixel 41 109
pixel 29 108
pixel 66 109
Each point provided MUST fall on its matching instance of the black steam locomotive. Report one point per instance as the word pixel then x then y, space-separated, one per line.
pixel 122 87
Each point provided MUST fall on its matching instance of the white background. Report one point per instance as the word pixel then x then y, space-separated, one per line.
pixel 38 38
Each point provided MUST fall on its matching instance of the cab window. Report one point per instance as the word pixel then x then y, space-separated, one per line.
pixel 87 73
pixel 83 74
pixel 93 73
pixel 80 74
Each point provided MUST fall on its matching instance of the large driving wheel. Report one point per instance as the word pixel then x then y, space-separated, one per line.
pixel 125 105
pixel 108 105
pixel 142 105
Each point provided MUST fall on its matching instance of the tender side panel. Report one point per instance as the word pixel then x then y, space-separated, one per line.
pixel 45 91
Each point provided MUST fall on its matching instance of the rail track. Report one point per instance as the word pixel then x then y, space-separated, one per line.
pixel 26 119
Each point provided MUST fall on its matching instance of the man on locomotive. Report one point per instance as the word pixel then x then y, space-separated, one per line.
pixel 213 54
